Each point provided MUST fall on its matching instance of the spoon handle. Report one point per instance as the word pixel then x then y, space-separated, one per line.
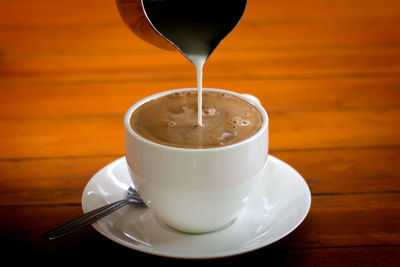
pixel 84 220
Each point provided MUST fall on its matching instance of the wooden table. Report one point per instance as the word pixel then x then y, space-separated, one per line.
pixel 328 73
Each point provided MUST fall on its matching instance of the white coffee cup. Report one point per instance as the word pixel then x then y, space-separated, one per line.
pixel 196 190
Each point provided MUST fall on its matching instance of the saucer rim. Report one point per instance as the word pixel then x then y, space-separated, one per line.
pixel 227 253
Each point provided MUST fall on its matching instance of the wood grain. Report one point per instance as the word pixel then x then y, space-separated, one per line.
pixel 328 73
pixel 335 173
pixel 97 99
pixel 291 130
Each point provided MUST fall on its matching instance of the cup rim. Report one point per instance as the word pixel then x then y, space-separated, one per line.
pixel 130 111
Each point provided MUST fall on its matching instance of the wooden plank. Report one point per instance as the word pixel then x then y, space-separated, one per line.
pixel 333 129
pixel 63 30
pixel 42 50
pixel 64 11
pixel 82 136
pixel 261 34
pixel 115 98
pixel 349 171
pixel 229 66
pixel 47 181
pixel 345 256
pixel 66 137
pixel 319 9
pixel 374 223
pixel 333 226
pixel 87 242
pixel 328 173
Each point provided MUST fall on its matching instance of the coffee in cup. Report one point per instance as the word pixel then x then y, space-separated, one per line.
pixel 198 184
pixel 172 120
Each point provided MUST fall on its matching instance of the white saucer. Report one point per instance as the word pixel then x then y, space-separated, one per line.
pixel 281 206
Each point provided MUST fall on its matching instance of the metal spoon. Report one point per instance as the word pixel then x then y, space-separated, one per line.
pixel 92 216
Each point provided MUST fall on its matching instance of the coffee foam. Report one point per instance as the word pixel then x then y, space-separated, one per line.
pixel 172 120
